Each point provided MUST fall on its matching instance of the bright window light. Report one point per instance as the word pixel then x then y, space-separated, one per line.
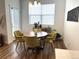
pixel 44 14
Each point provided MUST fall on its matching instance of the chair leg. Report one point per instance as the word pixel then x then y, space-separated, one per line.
pixel 27 51
pixel 21 45
pixel 17 45
pixel 52 46
pixel 24 47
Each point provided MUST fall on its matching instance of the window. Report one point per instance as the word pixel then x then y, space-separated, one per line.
pixel 44 14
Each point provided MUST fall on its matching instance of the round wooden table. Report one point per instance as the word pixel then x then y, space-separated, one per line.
pixel 38 34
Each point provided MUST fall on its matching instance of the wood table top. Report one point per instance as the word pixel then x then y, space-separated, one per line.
pixel 39 34
pixel 66 54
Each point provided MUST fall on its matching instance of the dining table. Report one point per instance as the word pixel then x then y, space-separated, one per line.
pixel 37 34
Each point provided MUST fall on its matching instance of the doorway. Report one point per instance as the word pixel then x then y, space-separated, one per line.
pixel 15 19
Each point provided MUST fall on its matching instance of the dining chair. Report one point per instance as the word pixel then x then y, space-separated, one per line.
pixel 35 30
pixel 51 38
pixel 33 43
pixel 19 38
pixel 39 29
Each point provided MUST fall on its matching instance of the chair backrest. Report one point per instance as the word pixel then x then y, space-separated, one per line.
pixel 18 35
pixel 35 29
pixel 53 35
pixel 32 41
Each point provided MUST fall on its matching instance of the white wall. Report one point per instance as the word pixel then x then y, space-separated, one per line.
pixel 25 18
pixel 2 7
pixel 59 16
pixel 8 4
pixel 71 29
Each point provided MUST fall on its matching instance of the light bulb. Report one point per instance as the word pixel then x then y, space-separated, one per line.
pixel 30 4
pixel 39 4
pixel 35 3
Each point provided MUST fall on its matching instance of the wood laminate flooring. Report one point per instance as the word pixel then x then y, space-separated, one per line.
pixel 9 52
